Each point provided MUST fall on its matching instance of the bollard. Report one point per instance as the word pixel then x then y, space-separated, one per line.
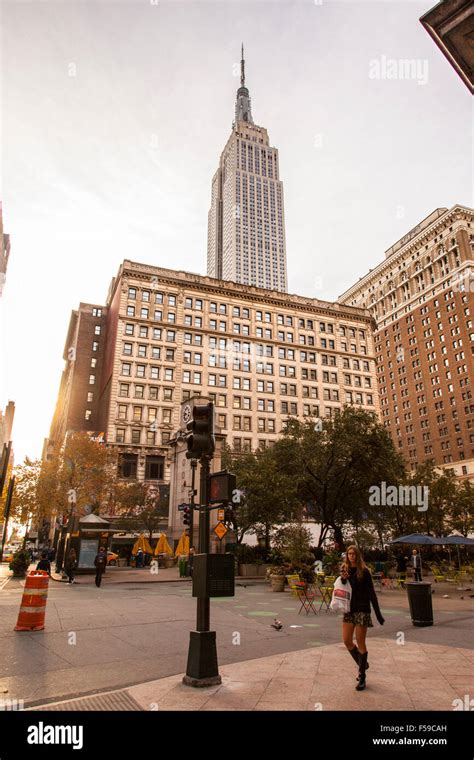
pixel 33 603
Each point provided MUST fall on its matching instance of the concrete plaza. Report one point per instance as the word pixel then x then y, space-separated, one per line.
pixel 124 646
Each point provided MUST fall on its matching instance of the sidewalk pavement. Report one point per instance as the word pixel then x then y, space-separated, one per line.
pixel 115 575
pixel 401 677
pixel 132 575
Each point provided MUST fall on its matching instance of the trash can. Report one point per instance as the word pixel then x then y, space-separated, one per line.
pixel 421 607
pixel 182 566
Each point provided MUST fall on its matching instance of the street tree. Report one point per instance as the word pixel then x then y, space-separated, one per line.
pixel 460 516
pixel 333 463
pixel 139 506
pixel 266 494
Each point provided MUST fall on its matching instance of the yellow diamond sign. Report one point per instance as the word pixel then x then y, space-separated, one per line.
pixel 220 530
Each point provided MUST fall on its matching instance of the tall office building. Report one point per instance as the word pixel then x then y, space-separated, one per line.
pixel 422 298
pixel 246 223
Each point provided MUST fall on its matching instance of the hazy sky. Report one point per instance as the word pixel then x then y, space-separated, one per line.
pixel 114 117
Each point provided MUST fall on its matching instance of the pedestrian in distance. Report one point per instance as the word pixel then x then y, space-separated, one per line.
pixel 401 563
pixel 70 565
pixel 100 562
pixel 44 563
pixel 416 563
pixel 52 554
pixel 139 558
pixel 358 619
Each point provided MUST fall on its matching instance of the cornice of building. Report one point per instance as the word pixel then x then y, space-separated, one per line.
pixel 229 289
pixel 407 249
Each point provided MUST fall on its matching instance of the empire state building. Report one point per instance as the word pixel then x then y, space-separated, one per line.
pixel 246 223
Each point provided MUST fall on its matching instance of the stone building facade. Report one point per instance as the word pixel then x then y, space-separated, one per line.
pixel 166 336
pixel 422 298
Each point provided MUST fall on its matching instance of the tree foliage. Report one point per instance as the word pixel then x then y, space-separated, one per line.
pixel 333 465
pixel 267 494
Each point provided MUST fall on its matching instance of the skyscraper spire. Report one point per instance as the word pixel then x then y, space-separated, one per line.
pixel 242 105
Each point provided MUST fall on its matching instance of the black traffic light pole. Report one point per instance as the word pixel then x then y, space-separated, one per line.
pixel 204 604
pixel 202 668
pixel 193 488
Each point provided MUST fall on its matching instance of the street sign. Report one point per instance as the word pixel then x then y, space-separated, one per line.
pixel 182 507
pixel 220 530
pixel 221 514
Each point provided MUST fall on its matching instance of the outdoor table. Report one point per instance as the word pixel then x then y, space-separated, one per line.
pixel 326 596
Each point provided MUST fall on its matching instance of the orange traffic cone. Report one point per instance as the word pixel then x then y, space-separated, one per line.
pixel 33 603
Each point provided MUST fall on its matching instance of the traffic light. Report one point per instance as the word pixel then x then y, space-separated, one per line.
pixel 187 516
pixel 223 487
pixel 200 429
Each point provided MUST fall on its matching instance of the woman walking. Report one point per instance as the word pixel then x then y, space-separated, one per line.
pixel 70 565
pixel 363 595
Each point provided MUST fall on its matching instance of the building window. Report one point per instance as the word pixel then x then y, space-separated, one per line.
pixel 91 379
pixel 136 436
pixel 132 294
pixel 120 435
pixel 154 467
pixel 88 414
pixel 127 465
pixel 90 397
pixel 97 330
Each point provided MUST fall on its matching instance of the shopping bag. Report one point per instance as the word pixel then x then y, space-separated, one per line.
pixel 341 596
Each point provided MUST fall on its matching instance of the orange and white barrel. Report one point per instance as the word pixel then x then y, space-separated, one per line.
pixel 33 603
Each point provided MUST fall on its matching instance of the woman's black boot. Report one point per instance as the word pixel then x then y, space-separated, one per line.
pixel 355 654
pixel 362 668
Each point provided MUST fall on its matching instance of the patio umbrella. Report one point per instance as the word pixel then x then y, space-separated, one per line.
pixel 163 546
pixel 456 541
pixel 183 545
pixel 142 543
pixel 415 538
pixel 459 540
